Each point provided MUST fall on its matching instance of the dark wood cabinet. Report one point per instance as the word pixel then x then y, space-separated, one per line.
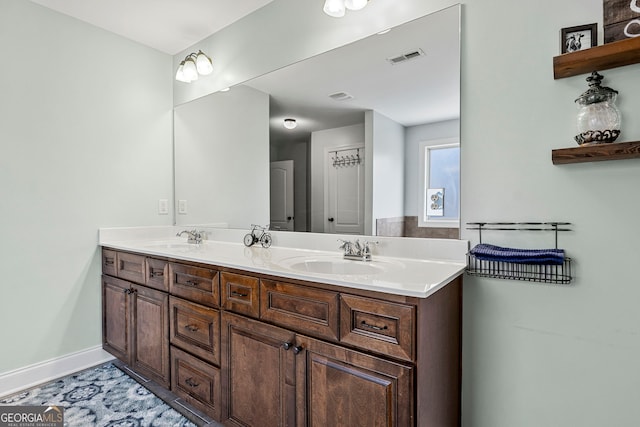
pixel 256 350
pixel 300 308
pixel 116 317
pixel 195 283
pixel 197 382
pixel 196 329
pixel 240 294
pixel 136 327
pixel 277 378
pixel 342 387
pixel 258 379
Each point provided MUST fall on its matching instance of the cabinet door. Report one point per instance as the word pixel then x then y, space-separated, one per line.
pixel 150 328
pixel 116 317
pixel 341 387
pixel 258 381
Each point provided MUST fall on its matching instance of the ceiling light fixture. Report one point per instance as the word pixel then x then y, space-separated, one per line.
pixel 337 8
pixel 290 123
pixel 194 64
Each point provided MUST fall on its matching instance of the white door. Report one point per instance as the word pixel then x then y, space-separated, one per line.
pixel 344 192
pixel 281 179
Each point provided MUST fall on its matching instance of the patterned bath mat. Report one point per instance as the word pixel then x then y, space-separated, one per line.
pixel 102 397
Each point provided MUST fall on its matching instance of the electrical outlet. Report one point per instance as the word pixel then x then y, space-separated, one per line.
pixel 163 207
pixel 182 207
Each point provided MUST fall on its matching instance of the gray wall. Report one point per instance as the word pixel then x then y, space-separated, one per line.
pixel 221 147
pixel 85 137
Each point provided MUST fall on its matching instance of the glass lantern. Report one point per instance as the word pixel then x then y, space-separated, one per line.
pixel 598 115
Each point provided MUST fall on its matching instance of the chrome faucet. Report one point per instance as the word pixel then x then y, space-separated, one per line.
pixel 356 250
pixel 193 236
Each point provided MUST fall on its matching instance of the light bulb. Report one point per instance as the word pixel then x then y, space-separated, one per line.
pixel 189 70
pixel 290 123
pixel 180 74
pixel 355 4
pixel 334 8
pixel 203 64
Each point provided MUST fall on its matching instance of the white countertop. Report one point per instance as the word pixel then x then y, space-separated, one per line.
pixel 410 276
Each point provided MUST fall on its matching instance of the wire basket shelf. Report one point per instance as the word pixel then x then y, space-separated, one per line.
pixel 542 273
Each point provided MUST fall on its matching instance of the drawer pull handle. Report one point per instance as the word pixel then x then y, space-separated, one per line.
pixel 374 327
pixel 156 273
pixel 191 328
pixel 238 294
pixel 191 383
pixel 191 283
pixel 109 261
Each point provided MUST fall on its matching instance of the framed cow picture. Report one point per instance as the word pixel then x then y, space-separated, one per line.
pixel 581 37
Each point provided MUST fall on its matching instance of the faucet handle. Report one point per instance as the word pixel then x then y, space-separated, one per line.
pixel 366 249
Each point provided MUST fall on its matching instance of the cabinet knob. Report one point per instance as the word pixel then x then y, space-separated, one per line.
pixel 239 294
pixel 156 273
pixel 330 220
pixel 191 383
pixel 374 327
pixel 191 328
pixel 297 349
pixel 287 345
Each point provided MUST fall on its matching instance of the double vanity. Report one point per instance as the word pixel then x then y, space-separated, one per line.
pixel 289 335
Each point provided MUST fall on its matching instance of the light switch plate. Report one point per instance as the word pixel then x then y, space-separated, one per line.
pixel 163 207
pixel 182 207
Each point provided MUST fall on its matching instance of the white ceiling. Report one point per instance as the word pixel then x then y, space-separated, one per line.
pixel 422 90
pixel 169 26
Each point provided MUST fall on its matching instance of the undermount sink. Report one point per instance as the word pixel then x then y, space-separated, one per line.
pixel 334 265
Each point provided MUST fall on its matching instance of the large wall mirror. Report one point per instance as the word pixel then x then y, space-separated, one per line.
pixel 353 162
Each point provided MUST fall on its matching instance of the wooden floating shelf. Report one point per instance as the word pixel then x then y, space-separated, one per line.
pixel 596 152
pixel 598 58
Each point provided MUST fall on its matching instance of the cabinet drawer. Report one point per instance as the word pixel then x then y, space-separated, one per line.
pixel 156 274
pixel 197 382
pixel 109 262
pixel 240 294
pixel 195 328
pixel 379 326
pixel 194 283
pixel 131 267
pixel 303 309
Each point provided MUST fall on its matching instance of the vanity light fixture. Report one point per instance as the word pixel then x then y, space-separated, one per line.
pixel 337 8
pixel 290 123
pixel 194 64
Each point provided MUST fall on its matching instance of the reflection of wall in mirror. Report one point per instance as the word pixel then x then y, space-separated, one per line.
pixel 221 143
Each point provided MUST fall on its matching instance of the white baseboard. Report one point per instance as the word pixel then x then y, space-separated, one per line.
pixel 38 373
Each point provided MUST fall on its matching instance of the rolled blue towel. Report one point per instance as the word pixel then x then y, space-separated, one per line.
pixel 523 256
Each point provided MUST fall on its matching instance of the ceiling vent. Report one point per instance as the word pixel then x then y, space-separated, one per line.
pixel 406 56
pixel 340 96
